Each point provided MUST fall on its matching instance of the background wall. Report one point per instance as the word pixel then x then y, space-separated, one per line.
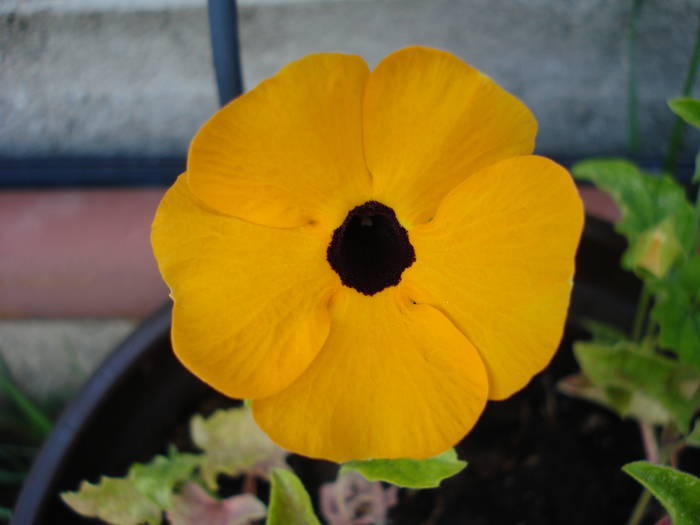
pixel 128 77
pixel 133 79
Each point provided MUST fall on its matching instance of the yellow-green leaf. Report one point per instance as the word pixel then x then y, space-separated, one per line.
pixel 657 248
pixel 114 500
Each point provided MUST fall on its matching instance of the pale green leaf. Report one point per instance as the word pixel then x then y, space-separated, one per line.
pixel 677 491
pixel 290 504
pixel 657 219
pixel 233 444
pixel 158 478
pixel 624 402
pixel 687 108
pixel 677 311
pixel 413 473
pixel 114 500
pixel 657 378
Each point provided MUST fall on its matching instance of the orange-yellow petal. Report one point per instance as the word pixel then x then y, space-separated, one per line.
pixel 430 120
pixel 289 152
pixel 250 302
pixel 498 259
pixel 394 379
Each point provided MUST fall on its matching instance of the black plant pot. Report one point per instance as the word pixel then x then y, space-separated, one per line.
pixel 121 415
pixel 538 458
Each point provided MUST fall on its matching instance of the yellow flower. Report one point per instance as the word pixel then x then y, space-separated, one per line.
pixel 369 256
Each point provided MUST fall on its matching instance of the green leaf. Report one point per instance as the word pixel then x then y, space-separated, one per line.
pixel 290 504
pixel 657 219
pixel 687 108
pixel 114 500
pixel 677 491
pixel 693 439
pixel 657 379
pixel 140 496
pixel 157 479
pixel 677 310
pixel 412 473
pixel 604 332
pixel 696 172
pixel 233 444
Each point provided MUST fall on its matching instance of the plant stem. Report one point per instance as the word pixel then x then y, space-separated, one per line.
pixel 632 99
pixel 654 454
pixel 651 447
pixel 651 450
pixel 640 315
pixel 249 484
pixel 679 125
pixel 640 508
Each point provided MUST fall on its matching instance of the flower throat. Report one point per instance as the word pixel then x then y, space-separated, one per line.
pixel 370 250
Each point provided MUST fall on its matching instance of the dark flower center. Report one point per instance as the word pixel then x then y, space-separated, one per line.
pixel 370 250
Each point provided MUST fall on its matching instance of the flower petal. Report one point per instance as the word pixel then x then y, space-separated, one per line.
pixel 279 154
pixel 498 259
pixel 251 302
pixel 393 380
pixel 431 120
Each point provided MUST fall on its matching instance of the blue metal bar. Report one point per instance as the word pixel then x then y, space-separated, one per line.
pixel 223 25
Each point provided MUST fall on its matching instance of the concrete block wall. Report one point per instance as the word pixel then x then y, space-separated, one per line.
pixel 127 77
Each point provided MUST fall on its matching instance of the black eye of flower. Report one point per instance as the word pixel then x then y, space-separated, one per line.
pixel 370 250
